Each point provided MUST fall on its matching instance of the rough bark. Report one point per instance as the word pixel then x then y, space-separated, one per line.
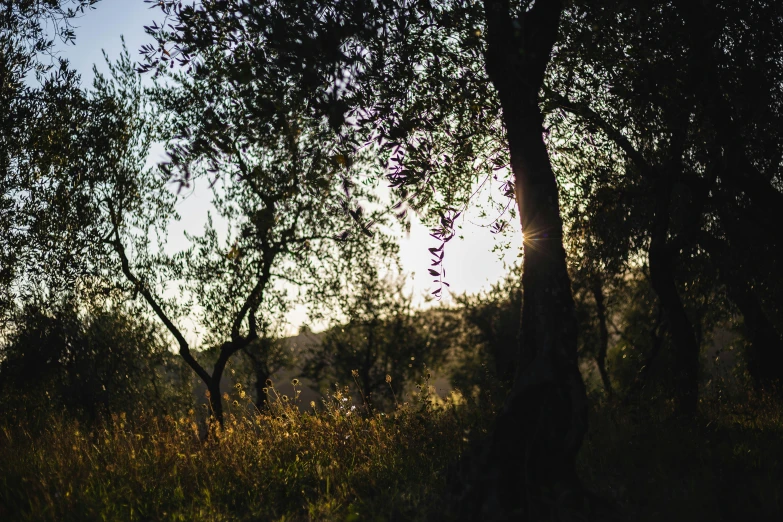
pixel 530 466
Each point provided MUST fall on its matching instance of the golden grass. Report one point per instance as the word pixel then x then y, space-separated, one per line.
pixel 339 462
pixel 332 463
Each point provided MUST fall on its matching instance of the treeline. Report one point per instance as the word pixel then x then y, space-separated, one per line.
pixel 95 359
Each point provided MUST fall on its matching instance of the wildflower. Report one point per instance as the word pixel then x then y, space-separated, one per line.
pixel 388 378
pixel 312 404
pixel 295 382
pixel 225 396
pixel 268 383
pixel 242 394
pixel 355 373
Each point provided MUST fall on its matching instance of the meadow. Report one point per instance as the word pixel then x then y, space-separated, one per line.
pixel 338 461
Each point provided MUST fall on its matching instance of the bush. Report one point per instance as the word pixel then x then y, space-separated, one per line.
pixel 88 362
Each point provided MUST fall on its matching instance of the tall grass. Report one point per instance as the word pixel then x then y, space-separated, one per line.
pixel 329 462
pixel 339 461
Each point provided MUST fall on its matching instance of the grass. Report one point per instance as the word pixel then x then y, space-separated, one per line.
pixel 338 462
pixel 726 465
pixel 279 464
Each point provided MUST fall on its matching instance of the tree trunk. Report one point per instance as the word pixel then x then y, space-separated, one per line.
pixel 530 467
pixel 764 354
pixel 215 400
pixel 261 369
pixel 686 347
pixel 600 357
pixel 227 349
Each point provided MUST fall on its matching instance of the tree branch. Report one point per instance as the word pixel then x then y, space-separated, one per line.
pixel 590 116
pixel 184 348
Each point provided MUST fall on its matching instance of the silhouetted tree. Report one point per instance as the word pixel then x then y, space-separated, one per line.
pixel 90 358
pixel 649 92
pixel 417 79
pixel 278 194
pixel 376 334
pixel 40 102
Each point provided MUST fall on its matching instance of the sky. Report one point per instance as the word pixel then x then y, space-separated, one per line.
pixel 470 263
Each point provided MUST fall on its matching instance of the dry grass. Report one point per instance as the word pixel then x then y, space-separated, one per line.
pixel 331 463
pixel 338 462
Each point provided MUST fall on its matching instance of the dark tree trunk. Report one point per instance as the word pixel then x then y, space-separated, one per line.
pixel 227 349
pixel 215 400
pixel 686 347
pixel 764 354
pixel 600 357
pixel 530 467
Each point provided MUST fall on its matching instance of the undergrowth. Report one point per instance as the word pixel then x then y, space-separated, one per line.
pixel 339 460
pixel 334 461
pixel 725 465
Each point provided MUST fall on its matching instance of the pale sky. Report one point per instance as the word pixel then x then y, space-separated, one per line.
pixel 470 263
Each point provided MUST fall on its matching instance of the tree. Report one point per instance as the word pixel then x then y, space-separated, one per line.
pixel 89 358
pixel 277 189
pixel 406 76
pixel 378 339
pixel 38 100
pixel 81 215
pixel 637 83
